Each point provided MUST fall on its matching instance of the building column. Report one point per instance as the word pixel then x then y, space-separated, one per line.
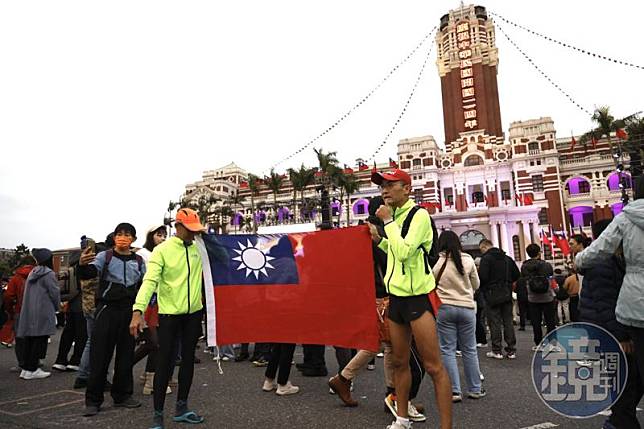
pixel 535 233
pixel 495 234
pixel 527 238
pixel 504 238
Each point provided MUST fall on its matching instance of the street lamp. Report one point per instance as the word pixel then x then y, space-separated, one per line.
pixel 322 182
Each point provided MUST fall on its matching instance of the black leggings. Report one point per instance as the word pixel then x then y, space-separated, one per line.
pixel 171 327
pixel 149 348
pixel 281 357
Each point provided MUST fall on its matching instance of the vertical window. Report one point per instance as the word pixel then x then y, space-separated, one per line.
pixel 516 245
pixel 537 183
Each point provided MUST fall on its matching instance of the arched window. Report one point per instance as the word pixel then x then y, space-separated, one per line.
pixel 533 147
pixel 361 206
pixel 578 185
pixel 473 160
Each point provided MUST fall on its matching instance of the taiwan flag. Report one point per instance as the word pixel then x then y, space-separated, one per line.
pixel 302 288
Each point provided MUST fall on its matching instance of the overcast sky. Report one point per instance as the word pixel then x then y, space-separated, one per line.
pixel 108 109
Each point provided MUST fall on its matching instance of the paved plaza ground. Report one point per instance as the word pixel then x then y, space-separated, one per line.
pixel 235 400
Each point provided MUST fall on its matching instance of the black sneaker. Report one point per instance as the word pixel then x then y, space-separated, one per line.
pixel 90 410
pixel 80 383
pixel 128 403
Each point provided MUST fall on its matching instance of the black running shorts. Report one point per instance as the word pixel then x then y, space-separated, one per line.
pixel 406 309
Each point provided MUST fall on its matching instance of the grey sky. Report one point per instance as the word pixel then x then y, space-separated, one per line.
pixel 108 109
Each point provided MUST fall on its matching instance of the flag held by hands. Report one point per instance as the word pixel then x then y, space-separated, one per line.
pixel 304 288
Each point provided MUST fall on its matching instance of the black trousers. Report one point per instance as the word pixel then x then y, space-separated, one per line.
pixel 111 332
pixel 281 358
pixel 149 347
pixel 539 312
pixel 481 335
pixel 314 356
pixel 523 313
pixel 499 318
pixel 574 308
pixel 19 349
pixel 75 332
pixel 417 371
pixel 35 348
pixel 625 409
pixel 187 327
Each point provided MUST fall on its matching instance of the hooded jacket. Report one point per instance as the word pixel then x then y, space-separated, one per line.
pixel 40 304
pixel 174 272
pixel 15 290
pixel 626 228
pixel 497 268
pixel 406 274
pixel 536 268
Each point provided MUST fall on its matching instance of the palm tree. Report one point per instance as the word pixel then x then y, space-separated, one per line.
pixel 328 162
pixel 235 200
pixel 350 185
pixel 300 180
pixel 253 186
pixel 635 145
pixel 275 182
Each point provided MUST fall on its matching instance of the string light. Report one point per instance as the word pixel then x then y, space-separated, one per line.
pixel 359 103
pixel 404 109
pixel 568 45
pixel 579 106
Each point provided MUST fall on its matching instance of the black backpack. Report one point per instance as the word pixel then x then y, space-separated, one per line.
pixel 538 284
pixel 431 256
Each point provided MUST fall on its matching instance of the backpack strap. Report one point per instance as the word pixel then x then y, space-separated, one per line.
pixel 405 230
pixel 109 254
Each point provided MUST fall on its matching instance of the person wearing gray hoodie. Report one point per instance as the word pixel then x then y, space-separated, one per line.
pixel 627 229
pixel 38 313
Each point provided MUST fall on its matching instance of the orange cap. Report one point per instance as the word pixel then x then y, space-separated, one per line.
pixel 189 219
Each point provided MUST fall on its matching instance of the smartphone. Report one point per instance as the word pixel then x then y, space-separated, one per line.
pixel 91 244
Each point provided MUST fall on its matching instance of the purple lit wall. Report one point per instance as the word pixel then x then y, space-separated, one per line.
pixel 282 213
pixel 361 203
pixel 577 215
pixel 573 185
pixel 613 181
pixel 617 208
pixel 236 219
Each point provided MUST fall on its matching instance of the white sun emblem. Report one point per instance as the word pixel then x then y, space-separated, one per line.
pixel 253 259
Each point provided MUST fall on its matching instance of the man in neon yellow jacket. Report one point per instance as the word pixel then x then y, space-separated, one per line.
pixel 409 280
pixel 174 273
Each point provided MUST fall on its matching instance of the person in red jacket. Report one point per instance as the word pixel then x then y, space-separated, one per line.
pixel 13 300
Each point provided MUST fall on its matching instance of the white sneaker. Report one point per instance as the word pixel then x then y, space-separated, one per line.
pixel 459 353
pixel 494 355
pixel 39 373
pixel 414 415
pixel 287 389
pixel 72 367
pixel 23 373
pixel 380 355
pixel 225 359
pixel 397 425
pixel 59 367
pixel 269 385
pixel 481 345
pixel 482 376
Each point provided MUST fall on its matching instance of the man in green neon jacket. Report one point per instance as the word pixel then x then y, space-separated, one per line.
pixel 409 281
pixel 174 273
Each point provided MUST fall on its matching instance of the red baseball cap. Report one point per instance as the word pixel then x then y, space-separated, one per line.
pixel 391 176
pixel 190 219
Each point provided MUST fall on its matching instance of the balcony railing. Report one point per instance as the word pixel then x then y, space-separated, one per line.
pixel 534 152
pixel 587 159
pixel 578 197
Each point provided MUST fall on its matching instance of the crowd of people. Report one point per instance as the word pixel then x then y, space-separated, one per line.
pixel 434 303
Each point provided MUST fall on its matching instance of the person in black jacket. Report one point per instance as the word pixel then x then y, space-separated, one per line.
pixel 601 285
pixel 497 274
pixel 541 305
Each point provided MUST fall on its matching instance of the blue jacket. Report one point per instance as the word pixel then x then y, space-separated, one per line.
pixel 120 280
